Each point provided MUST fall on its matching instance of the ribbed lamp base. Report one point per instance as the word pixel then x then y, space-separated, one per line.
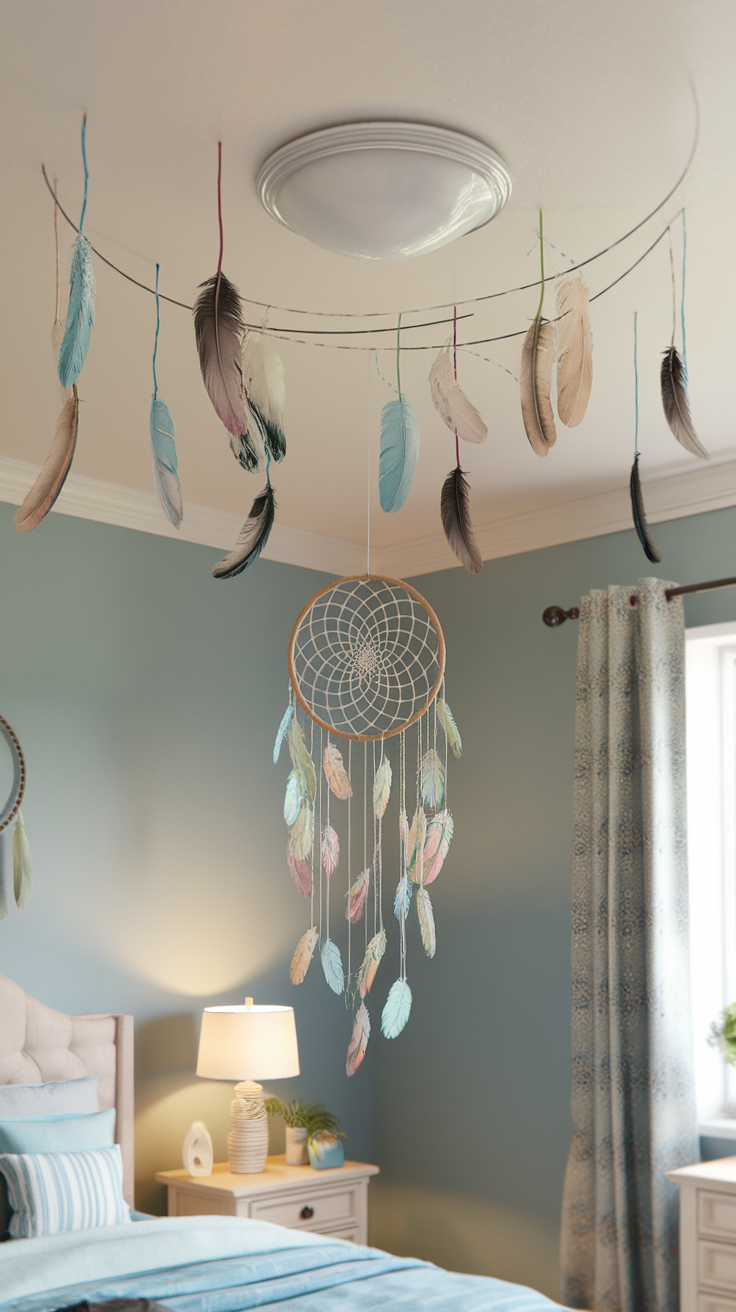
pixel 247 1142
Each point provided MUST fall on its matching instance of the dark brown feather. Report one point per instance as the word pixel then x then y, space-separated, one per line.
pixel 253 537
pixel 676 404
pixel 455 513
pixel 219 328
pixel 57 464
pixel 640 519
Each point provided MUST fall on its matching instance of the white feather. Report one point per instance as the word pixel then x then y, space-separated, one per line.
pixel 452 404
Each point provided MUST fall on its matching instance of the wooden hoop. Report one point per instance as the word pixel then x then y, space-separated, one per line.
pixel 19 775
pixel 391 582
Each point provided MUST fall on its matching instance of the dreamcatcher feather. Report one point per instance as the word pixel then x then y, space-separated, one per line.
pixel 282 732
pixel 356 896
pixel 335 772
pixel 301 960
pixel 332 966
pixel 436 845
pixel 330 850
pixel 358 1040
pixel 293 798
pixel 22 868
pixel 426 921
pixel 452 733
pixel 371 961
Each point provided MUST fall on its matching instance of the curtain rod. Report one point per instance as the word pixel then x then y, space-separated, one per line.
pixel 555 615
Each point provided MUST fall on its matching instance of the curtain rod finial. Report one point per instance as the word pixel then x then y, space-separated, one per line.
pixel 555 615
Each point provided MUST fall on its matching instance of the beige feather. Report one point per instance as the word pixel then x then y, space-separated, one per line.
pixel 371 962
pixel 574 351
pixel 382 788
pixel 451 404
pixel 335 772
pixel 358 1040
pixel 415 846
pixel 426 922
pixel 50 481
pixel 537 359
pixel 302 957
pixel 302 831
pixel 300 758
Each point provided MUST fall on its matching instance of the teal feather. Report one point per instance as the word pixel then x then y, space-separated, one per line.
pixel 397 1008
pixel 80 316
pixel 402 901
pixel 294 797
pixel 399 452
pixel 283 730
pixel 432 778
pixel 165 464
pixel 332 966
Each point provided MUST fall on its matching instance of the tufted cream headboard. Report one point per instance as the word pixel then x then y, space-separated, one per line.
pixel 38 1044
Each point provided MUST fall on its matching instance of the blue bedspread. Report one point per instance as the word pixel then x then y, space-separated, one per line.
pixel 221 1264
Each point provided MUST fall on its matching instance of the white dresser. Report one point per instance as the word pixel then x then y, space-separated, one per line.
pixel 707 1236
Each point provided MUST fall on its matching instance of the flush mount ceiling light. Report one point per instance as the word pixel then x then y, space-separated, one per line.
pixel 384 191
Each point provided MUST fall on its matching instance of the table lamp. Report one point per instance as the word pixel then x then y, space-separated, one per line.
pixel 248 1043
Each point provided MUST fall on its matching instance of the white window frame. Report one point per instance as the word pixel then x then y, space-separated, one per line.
pixel 710 663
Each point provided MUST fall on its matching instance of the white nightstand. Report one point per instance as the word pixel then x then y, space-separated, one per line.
pixel 707 1236
pixel 332 1202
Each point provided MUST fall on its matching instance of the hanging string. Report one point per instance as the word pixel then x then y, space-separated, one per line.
pixel 86 175
pixel 368 517
pixel 57 314
pixel 350 884
pixel 319 852
pixel 155 343
pixel 454 360
pixel 219 204
pixel 398 356
pixel 674 291
pixel 682 298
pixel 365 834
pixel 636 392
pixel 402 852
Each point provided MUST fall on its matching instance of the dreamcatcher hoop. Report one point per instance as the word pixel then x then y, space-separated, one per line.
pixel 366 656
pixel 10 807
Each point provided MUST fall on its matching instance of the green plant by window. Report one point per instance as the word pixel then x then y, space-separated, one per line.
pixel 312 1117
pixel 723 1036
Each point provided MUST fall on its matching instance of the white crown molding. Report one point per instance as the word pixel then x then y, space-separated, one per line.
pixel 707 488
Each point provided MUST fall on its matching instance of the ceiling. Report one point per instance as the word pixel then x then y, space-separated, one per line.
pixel 592 107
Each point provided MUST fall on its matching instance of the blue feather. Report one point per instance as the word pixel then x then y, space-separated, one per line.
pixel 402 901
pixel 165 464
pixel 399 452
pixel 332 966
pixel 80 316
pixel 397 1008
pixel 283 729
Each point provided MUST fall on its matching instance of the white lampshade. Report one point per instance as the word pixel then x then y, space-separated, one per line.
pixel 248 1043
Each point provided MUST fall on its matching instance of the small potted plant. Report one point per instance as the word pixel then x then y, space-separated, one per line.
pixel 723 1035
pixel 312 1133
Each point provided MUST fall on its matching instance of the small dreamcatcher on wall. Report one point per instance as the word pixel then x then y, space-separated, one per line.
pixel 366 664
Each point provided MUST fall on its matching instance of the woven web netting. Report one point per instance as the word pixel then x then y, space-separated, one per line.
pixel 367 657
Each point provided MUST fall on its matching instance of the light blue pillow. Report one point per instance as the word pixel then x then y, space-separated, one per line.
pixel 62 1096
pixel 52 1193
pixel 57 1133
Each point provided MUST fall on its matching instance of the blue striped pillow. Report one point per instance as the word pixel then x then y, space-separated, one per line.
pixel 51 1193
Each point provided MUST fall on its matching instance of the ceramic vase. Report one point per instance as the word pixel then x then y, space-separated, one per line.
pixel 296 1146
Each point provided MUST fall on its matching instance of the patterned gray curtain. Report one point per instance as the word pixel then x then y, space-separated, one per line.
pixel 633 1101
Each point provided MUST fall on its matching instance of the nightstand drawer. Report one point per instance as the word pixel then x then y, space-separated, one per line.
pixel 717 1214
pixel 196 1205
pixel 715 1303
pixel 717 1264
pixel 323 1208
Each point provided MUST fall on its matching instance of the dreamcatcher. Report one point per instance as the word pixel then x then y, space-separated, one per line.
pixel 366 664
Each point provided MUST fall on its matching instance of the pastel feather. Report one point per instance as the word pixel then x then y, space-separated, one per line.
pixel 302 831
pixel 165 464
pixel 432 778
pixel 330 850
pixel 358 1040
pixel 253 537
pixel 22 868
pixel 356 897
pixel 300 758
pixel 436 845
pixel 452 733
pixel 396 1010
pixel 371 962
pixel 263 379
pixel 282 731
pixel 382 788
pixel 293 797
pixel 299 871
pixel 335 772
pixel 426 922
pixel 332 966
pixel 451 404
pixel 80 315
pixel 537 359
pixel 402 900
pixel 399 453
pixel 574 351
pixel 301 960
pixel 56 466
pixel 415 845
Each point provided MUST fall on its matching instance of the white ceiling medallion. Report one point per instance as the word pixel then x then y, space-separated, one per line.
pixel 384 191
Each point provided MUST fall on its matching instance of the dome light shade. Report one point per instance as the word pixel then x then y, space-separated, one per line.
pixel 384 191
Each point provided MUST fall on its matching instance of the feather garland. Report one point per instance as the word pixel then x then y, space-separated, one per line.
pixel 396 1011
pixel 399 453
pixel 382 788
pixel 451 404
pixel 356 897
pixel 165 463
pixel 219 328
pixel 640 520
pixel 402 900
pixel 335 772
pixel 302 832
pixel 358 1040
pixel 455 515
pixel 299 871
pixel 56 466
pixel 253 537
pixel 437 843
pixel 574 351
pixel 332 966
pixel 371 962
pixel 80 315
pixel 426 922
pixel 22 868
pixel 293 798
pixel 452 733
pixel 302 958
pixel 330 850
pixel 300 758
pixel 263 379
pixel 415 845
pixel 676 404
pixel 432 778
pixel 537 359
pixel 282 731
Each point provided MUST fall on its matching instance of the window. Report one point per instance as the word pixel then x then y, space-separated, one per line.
pixel 711 783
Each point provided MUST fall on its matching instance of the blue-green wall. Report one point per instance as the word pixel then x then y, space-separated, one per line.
pixel 146 698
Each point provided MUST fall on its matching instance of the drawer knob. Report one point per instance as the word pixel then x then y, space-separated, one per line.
pixel 307 1213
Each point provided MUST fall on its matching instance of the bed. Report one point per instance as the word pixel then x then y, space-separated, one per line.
pixel 197 1263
